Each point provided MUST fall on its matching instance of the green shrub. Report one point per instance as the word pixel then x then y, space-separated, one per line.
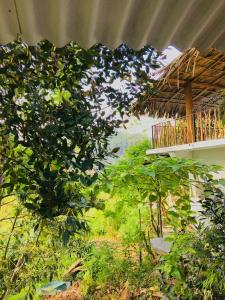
pixel 109 268
pixel 196 264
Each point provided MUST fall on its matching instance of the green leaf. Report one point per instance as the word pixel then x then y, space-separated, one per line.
pixel 222 181
pixel 65 237
pixel 115 150
pixel 152 198
pixel 176 274
pixel 173 213
pixel 66 95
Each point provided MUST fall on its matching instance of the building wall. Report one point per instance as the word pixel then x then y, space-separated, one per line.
pixel 211 156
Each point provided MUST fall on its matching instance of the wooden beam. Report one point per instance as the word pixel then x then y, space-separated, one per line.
pixel 212 60
pixel 188 75
pixel 164 100
pixel 189 112
pixel 214 81
pixel 180 83
pixel 217 59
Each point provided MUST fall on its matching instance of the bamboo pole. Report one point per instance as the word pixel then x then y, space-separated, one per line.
pixel 210 136
pixel 200 122
pixel 220 130
pixel 215 124
pixel 189 111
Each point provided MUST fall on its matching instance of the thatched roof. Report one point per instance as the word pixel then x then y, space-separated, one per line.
pixel 205 71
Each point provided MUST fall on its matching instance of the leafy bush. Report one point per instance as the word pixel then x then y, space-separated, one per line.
pixel 152 180
pixel 110 268
pixel 117 252
pixel 195 268
pixel 32 250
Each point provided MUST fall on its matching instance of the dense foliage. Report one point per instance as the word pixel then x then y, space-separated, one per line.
pixel 33 249
pixel 161 183
pixel 194 268
pixel 58 108
pixel 117 254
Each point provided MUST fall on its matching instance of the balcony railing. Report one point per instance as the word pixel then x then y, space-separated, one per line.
pixel 201 126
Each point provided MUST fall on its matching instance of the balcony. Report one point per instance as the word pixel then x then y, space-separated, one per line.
pixel 198 127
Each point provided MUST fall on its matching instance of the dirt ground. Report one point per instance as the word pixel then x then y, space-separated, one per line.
pixel 74 293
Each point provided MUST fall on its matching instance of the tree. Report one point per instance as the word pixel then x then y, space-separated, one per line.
pixel 162 183
pixel 58 109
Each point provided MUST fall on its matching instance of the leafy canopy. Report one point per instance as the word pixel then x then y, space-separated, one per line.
pixel 58 109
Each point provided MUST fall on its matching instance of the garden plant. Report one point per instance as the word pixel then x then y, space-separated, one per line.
pixel 61 201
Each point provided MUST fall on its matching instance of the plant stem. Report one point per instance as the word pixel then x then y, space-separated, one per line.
pixel 10 235
pixel 152 219
pixel 140 252
pixel 160 222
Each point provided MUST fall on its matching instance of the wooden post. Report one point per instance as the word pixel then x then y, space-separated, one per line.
pixel 200 123
pixel 189 112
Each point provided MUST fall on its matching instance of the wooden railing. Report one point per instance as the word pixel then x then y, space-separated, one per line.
pixel 206 125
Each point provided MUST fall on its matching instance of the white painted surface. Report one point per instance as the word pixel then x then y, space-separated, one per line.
pixel 205 145
pixel 209 152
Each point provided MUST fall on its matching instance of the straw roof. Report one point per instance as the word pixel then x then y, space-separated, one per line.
pixel 206 73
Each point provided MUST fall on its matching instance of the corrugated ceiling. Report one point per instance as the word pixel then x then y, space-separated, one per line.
pixel 181 23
